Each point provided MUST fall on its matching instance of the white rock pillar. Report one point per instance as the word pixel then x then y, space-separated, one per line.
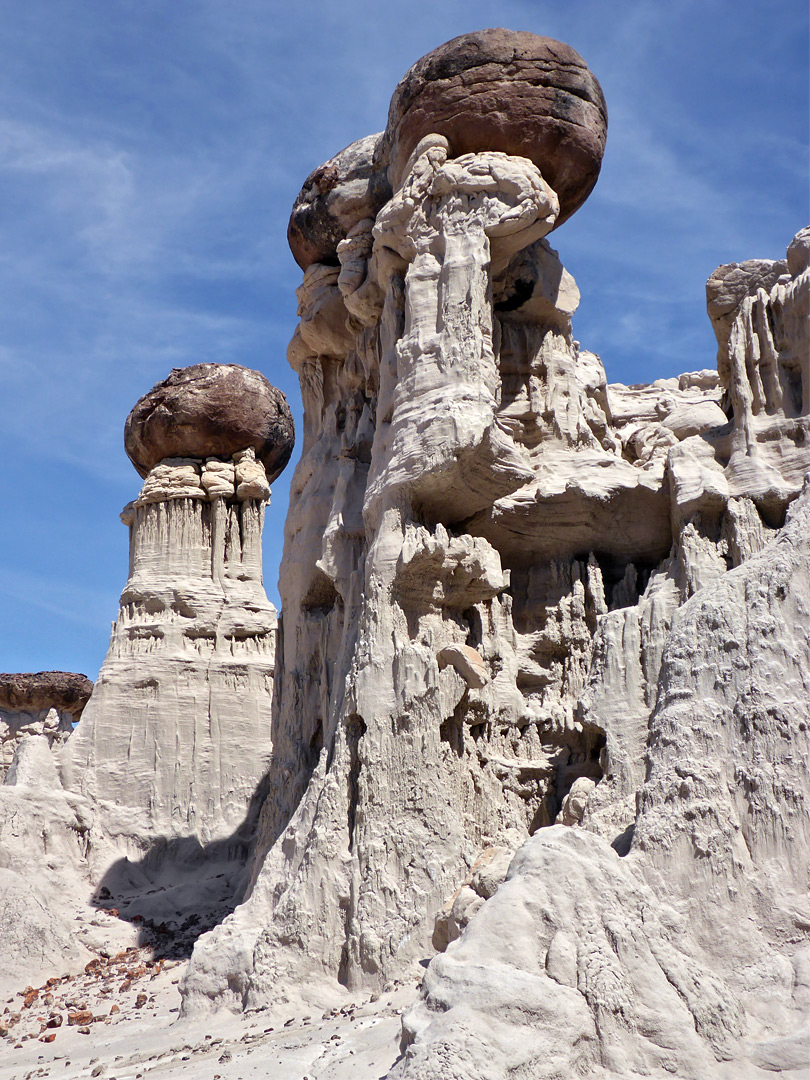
pixel 453 222
pixel 177 734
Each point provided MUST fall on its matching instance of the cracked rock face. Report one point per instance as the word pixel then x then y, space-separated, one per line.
pixel 510 91
pixel 210 410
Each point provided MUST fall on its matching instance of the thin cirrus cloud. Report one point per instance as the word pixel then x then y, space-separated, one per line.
pixel 149 154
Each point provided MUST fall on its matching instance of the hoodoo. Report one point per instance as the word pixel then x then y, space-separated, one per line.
pixel 176 737
pixel 492 564
pixel 536 764
pixel 45 703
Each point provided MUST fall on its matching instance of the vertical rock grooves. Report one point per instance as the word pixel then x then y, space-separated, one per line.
pixel 487 553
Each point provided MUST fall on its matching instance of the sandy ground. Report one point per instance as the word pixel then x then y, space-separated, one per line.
pixel 119 1020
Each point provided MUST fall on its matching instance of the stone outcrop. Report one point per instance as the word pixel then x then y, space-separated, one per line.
pixel 154 795
pixel 45 703
pixel 490 555
pixel 38 691
pixel 588 963
pixel 764 366
pixel 44 836
pixel 177 735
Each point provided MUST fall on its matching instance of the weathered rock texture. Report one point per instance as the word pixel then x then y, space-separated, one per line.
pixel 486 551
pixel 44 836
pixel 45 703
pixel 210 410
pixel 505 90
pixel 177 734
pixel 690 955
pixel 64 691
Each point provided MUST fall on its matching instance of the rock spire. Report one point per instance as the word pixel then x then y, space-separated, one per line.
pixel 487 550
pixel 177 735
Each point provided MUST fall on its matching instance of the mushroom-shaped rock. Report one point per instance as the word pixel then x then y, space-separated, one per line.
pixel 335 197
pixel 34 691
pixel 509 91
pixel 211 410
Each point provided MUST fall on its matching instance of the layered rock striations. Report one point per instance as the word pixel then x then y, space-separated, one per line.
pixel 176 736
pixel 47 703
pixel 491 561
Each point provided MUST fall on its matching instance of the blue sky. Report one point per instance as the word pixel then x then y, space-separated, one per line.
pixel 149 155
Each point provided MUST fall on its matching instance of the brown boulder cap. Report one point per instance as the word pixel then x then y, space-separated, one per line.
pixel 30 691
pixel 211 410
pixel 510 91
pixel 333 198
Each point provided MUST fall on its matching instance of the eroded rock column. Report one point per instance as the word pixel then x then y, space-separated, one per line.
pixel 177 734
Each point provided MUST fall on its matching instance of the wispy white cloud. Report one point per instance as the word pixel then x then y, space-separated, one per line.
pixel 77 604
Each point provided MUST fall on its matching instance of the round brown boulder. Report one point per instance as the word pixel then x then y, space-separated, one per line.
pixel 510 91
pixel 337 195
pixel 211 410
pixel 35 691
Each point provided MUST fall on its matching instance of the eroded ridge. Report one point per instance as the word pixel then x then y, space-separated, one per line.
pixel 486 550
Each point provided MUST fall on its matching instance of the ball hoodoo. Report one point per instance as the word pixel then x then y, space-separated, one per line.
pixel 510 91
pixel 211 410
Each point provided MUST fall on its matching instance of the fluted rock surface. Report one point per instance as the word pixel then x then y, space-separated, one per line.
pixel 539 691
pixel 155 794
pixel 177 733
pixel 488 566
pixel 689 954
pixel 486 547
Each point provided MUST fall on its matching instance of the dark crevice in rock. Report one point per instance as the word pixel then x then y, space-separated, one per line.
pixel 355 730
pixel 521 292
